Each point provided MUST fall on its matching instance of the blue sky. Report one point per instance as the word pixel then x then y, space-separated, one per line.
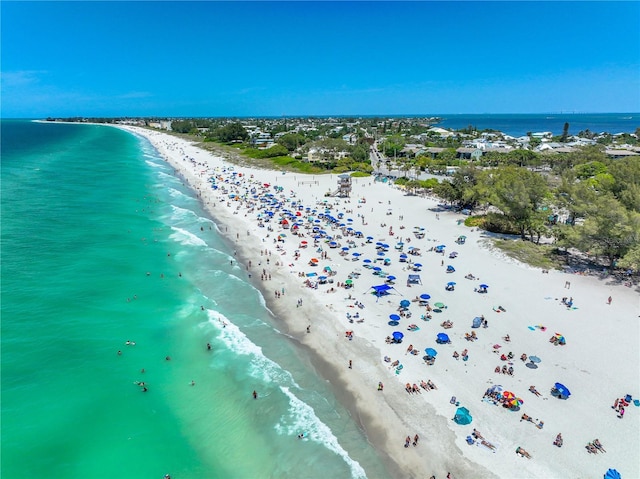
pixel 318 58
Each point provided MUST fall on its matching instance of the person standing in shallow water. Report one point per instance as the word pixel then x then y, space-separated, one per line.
pixel 255 395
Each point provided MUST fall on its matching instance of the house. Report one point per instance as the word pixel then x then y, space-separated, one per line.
pixel 617 154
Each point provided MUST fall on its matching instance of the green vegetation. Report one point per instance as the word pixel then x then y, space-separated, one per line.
pixel 540 256
pixel 599 201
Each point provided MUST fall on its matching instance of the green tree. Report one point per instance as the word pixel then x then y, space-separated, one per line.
pixel 520 195
pixel 565 133
pixel 610 230
pixel 291 141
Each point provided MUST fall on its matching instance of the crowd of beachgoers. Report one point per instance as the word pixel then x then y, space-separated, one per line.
pixel 430 335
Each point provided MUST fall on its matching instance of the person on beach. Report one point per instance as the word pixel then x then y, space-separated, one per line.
pixel 609 300
pixel 254 394
pixel 407 441
pixel 415 440
pixel 350 364
pixel 380 386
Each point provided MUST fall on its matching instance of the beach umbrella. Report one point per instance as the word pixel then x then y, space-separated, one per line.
pixel 451 283
pixel 495 387
pixel 425 296
pixel 417 265
pixel 391 278
pixel 397 335
pixel 484 285
pixel 532 365
pixel 394 317
pixel 314 260
pixel 431 352
pixel 439 305
pixel 534 359
pixel 612 474
pixel 462 417
pixel 441 246
pixel 405 303
pixel 345 248
pixel 349 281
pixel 377 268
pixel 366 261
pixel 356 254
pixel 442 338
pixel 380 253
pixel 508 395
pixel 563 391
pixel 516 402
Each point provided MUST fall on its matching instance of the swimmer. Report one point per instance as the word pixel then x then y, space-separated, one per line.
pixel 193 383
pixel 301 435
pixel 255 395
pixel 208 346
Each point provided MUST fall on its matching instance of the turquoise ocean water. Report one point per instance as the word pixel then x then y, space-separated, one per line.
pixel 102 245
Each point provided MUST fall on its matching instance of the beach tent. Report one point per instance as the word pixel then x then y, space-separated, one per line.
pixel 477 322
pixel 561 391
pixel 414 279
pixel 382 289
pixel 462 417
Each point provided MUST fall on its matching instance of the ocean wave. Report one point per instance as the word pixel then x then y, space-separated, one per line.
pixel 153 162
pixel 180 214
pixel 302 419
pixel 186 237
pixel 261 367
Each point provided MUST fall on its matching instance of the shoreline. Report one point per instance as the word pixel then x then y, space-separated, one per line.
pixel 385 417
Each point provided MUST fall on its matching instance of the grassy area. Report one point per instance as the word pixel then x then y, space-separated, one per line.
pixel 538 255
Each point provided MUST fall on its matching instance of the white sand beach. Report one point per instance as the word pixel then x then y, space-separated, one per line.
pixel 598 364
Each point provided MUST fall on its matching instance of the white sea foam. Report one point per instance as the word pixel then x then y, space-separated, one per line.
pixel 260 366
pixel 153 164
pixel 186 237
pixel 185 213
pixel 302 418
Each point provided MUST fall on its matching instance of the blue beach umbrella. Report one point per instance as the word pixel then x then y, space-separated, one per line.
pixel 534 359
pixel 442 338
pixel 451 283
pixel 612 474
pixel 484 285
pixel 377 268
pixel 394 317
pixel 405 303
pixel 431 352
pixel 366 261
pixel 391 278
pixel 397 335
pixel 425 296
